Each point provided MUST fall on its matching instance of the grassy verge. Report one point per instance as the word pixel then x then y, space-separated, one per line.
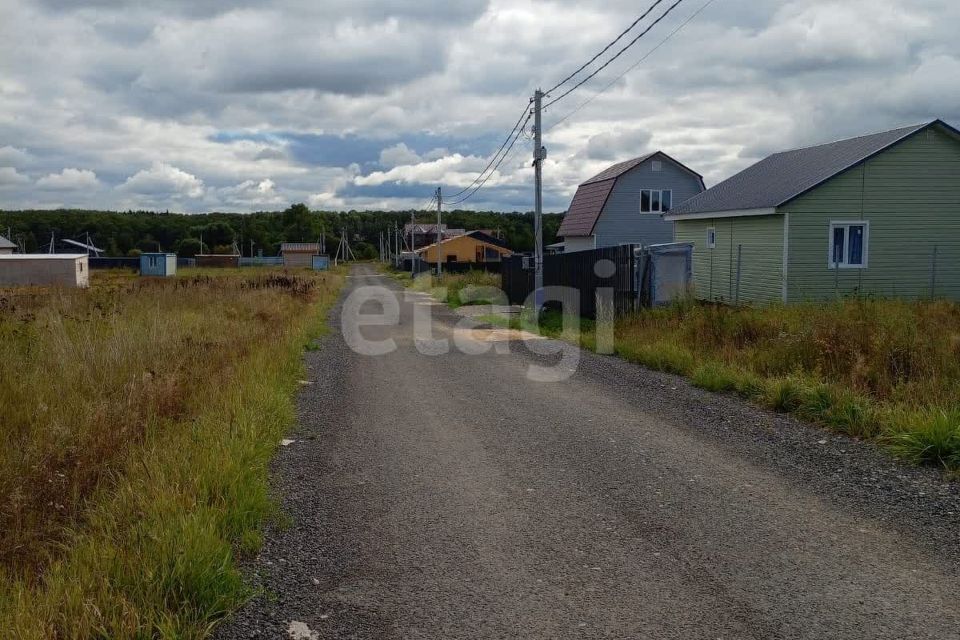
pixel 883 370
pixel 138 425
pixel 455 289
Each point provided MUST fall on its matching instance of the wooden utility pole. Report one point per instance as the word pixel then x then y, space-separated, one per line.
pixel 439 235
pixel 413 242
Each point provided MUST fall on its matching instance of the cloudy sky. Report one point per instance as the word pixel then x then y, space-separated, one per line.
pixel 199 105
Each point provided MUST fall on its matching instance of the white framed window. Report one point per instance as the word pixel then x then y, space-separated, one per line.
pixel 656 200
pixel 657 165
pixel 847 244
pixel 711 238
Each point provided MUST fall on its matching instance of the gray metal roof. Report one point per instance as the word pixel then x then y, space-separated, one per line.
pixel 783 176
pixel 6 244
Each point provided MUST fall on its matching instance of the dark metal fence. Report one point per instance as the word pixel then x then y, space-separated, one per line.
pixel 114 263
pixel 463 267
pixel 584 272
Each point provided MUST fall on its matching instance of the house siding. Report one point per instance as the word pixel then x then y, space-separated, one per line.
pixel 759 242
pixel 910 194
pixel 621 222
pixel 578 243
pixel 462 249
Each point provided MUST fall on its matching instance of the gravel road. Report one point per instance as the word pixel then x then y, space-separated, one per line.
pixel 449 496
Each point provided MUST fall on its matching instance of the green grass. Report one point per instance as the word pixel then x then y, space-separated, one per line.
pixel 141 468
pixel 931 437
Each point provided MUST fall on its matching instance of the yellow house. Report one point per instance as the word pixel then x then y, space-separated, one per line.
pixel 473 246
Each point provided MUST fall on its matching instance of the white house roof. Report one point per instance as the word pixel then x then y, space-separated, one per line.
pixel 6 244
pixel 42 256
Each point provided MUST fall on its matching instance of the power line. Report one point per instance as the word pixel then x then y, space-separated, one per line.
pixel 506 154
pixel 633 66
pixel 604 50
pixel 495 155
pixel 618 54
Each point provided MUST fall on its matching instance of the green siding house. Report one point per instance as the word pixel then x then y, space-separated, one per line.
pixel 874 215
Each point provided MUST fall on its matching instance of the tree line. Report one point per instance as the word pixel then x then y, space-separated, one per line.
pixel 131 232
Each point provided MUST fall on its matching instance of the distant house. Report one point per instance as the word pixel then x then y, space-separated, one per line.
pixel 878 214
pixel 6 247
pixel 626 202
pixel 423 234
pixel 299 254
pixel 472 246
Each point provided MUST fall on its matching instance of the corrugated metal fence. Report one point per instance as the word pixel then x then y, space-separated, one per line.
pixel 577 275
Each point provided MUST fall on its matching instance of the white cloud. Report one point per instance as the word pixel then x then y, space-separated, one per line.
pixel 11 156
pixel 10 177
pixel 251 194
pixel 69 179
pixel 398 154
pixel 164 180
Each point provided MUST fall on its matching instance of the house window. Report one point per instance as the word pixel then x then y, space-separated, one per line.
pixel 711 238
pixel 848 245
pixel 657 165
pixel 655 200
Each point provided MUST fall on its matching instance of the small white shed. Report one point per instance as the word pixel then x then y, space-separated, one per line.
pixel 47 269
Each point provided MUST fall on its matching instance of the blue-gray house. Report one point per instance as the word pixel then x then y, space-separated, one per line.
pixel 625 203
pixel 158 264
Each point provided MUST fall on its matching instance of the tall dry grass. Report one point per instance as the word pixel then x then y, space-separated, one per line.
pixel 138 418
pixel 882 369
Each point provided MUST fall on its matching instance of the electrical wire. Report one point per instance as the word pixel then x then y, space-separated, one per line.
pixel 526 112
pixel 618 54
pixel 506 154
pixel 633 66
pixel 604 50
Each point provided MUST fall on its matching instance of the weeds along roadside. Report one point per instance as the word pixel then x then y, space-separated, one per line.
pixel 881 370
pixel 156 437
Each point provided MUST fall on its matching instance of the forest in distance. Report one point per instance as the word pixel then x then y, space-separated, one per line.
pixel 130 232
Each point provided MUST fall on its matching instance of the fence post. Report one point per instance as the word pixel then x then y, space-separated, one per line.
pixel 933 273
pixel 736 295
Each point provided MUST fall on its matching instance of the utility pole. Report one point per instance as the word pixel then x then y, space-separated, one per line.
pixel 413 243
pixel 539 154
pixel 439 235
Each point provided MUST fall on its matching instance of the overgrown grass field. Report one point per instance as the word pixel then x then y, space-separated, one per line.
pixel 138 418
